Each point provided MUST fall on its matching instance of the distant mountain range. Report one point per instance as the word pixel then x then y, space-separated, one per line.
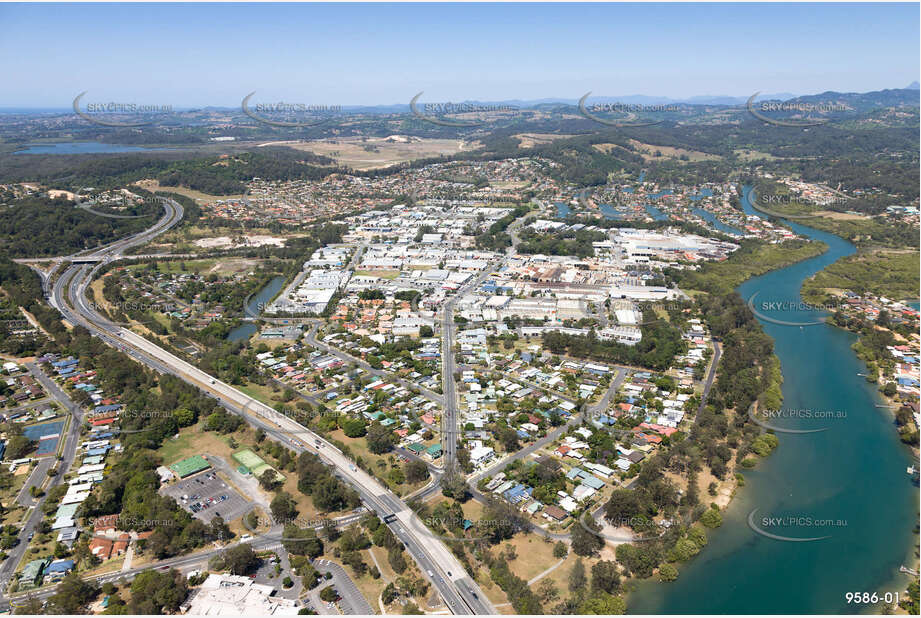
pixel 907 96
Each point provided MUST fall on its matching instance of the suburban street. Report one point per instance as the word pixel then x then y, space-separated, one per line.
pixel 460 592
pixel 70 441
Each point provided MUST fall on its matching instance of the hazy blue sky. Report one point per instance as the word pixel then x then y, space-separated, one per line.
pixel 350 54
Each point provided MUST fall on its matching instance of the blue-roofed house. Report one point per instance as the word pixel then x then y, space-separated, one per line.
pixel 115 407
pixel 58 569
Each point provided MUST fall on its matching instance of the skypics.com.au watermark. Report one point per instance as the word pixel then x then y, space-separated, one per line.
pixel 119 113
pixel 117 308
pixel 643 529
pixel 787 307
pixel 478 529
pixel 788 198
pixel 88 205
pixel 771 527
pixel 761 202
pixel 630 109
pixel 797 414
pixel 761 110
pixel 127 522
pixel 305 114
pixel 288 529
pixel 437 113
pixel 132 414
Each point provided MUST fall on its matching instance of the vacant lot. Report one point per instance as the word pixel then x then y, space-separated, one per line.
pixel 198 196
pixel 375 152
pixel 529 140
pixel 649 152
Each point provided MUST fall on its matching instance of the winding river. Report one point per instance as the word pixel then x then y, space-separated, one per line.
pixel 852 475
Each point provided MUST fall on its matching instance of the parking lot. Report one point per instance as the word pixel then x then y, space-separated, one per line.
pixel 207 496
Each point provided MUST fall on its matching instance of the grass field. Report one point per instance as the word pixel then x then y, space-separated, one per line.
pixel 893 274
pixel 383 274
pixel 535 555
pixel 377 152
pixel 198 196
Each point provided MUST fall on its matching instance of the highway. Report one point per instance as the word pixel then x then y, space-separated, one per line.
pixel 437 563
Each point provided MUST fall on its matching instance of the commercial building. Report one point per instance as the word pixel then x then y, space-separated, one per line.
pixel 234 595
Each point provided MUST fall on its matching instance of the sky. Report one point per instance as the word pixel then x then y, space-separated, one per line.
pixel 191 55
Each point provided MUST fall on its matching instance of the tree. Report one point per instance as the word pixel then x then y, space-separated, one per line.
pixel 605 577
pixel 269 480
pixel 353 539
pixel 353 559
pixel 158 592
pixel 668 572
pixel 329 594
pixel 698 535
pixel 426 331
pixel 560 550
pixel 684 550
pixel 396 560
pixel 547 591
pixel 185 417
pixel 71 595
pixel 623 507
pixel 584 542
pixel 603 604
pixel 577 579
pixel 240 559
pixel 415 471
pixel 354 427
pixel 283 506
pixel 380 439
pixel 712 518
pixel 454 486
pixel 640 560
pixel 302 542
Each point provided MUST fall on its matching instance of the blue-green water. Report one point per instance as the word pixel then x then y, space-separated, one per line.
pixel 705 192
pixel 855 471
pixel 655 213
pixel 610 212
pixel 66 148
pixel 716 223
pixel 254 307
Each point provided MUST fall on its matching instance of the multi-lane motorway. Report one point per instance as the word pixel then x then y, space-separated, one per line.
pixel 459 591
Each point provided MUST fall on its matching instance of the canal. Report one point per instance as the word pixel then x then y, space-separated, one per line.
pixel 852 475
pixel 254 307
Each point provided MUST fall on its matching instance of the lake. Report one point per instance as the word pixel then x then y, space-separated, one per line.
pixel 70 148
